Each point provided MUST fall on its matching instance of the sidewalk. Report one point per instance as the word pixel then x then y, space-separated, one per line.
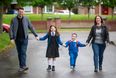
pixel 37 62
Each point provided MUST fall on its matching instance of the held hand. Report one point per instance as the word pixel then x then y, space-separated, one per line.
pixel 12 41
pixel 86 44
pixel 37 38
pixel 111 43
pixel 63 45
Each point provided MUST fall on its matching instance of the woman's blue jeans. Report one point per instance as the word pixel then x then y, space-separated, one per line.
pixel 98 50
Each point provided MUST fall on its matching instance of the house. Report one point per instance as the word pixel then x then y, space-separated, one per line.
pixel 99 9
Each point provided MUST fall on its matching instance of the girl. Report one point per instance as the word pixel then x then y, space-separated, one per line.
pixel 73 45
pixel 52 52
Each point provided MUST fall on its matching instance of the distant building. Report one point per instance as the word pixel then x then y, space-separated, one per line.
pixel 99 9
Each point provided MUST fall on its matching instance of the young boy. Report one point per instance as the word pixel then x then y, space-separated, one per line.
pixel 73 45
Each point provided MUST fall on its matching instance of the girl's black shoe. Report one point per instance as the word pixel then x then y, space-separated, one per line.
pixel 53 68
pixel 49 68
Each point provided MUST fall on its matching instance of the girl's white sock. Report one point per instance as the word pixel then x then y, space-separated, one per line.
pixel 49 61
pixel 53 62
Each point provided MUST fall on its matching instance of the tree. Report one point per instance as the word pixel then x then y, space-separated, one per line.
pixel 42 4
pixel 4 3
pixel 68 4
pixel 111 4
pixel 88 4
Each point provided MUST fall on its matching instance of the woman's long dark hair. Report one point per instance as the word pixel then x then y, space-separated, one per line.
pixel 95 23
pixel 57 33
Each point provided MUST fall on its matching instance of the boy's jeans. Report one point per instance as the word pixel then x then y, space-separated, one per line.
pixel 98 50
pixel 73 57
pixel 21 46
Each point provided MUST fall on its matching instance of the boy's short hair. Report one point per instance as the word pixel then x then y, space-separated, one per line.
pixel 74 34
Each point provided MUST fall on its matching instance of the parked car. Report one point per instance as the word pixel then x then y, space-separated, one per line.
pixel 64 12
pixel 12 12
pixel 114 12
pixel 6 28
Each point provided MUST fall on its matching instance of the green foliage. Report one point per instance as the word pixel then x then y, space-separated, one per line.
pixel 67 3
pixel 88 3
pixel 4 41
pixel 42 3
pixel 109 3
pixel 24 2
pixel 5 2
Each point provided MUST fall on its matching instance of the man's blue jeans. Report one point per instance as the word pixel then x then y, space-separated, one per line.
pixel 98 50
pixel 21 46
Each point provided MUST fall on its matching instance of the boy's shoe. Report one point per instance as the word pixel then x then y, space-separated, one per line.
pixel 72 67
pixel 53 68
pixel 49 68
pixel 23 69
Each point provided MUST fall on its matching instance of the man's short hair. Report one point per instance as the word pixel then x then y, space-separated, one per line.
pixel 20 8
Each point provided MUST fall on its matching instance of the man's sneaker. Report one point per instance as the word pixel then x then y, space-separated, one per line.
pixel 49 68
pixel 96 70
pixel 53 68
pixel 23 69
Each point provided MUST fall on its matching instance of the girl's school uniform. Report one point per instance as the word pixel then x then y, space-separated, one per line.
pixel 53 45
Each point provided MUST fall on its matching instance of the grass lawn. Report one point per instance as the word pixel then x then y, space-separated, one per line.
pixel 4 41
pixel 36 17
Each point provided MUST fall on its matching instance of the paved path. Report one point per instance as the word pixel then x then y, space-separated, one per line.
pixel 38 63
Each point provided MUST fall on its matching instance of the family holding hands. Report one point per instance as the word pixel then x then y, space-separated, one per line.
pixel 98 37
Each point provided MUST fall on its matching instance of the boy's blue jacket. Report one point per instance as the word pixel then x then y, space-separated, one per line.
pixel 73 46
pixel 47 36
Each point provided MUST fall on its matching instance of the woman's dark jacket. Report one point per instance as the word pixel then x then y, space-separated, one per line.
pixel 105 34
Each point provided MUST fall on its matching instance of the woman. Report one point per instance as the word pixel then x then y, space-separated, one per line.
pixel 98 36
pixel 52 52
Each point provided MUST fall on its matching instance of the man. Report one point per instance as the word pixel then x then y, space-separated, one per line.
pixel 19 34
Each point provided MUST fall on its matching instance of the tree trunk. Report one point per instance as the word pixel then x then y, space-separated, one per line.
pixel 69 14
pixel 42 14
pixel 1 16
pixel 88 12
pixel 112 12
pixel 69 17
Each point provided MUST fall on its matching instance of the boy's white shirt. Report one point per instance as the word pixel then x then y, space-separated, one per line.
pixel 71 40
pixel 74 40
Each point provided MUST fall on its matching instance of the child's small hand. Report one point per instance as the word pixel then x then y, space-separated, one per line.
pixel 37 38
pixel 63 45
pixel 86 44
